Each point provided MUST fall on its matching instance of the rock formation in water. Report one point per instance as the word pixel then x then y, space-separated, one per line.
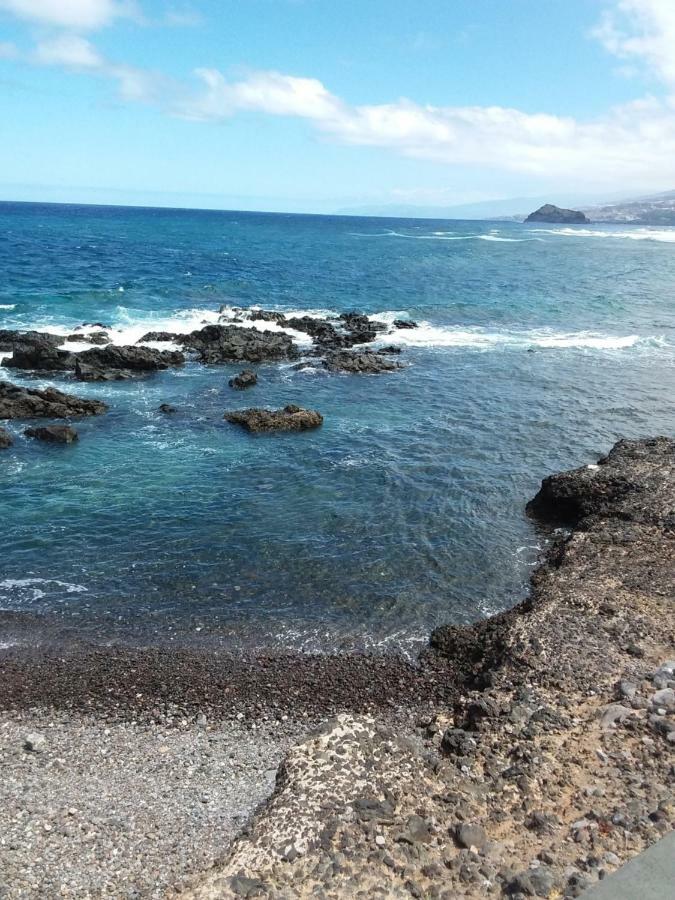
pixel 113 363
pixel 228 343
pixel 554 215
pixel 360 362
pixel 53 434
pixel 290 418
pixel 243 380
pixel 25 403
pixel 6 439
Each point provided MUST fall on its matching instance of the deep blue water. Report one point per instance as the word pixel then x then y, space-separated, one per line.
pixel 406 508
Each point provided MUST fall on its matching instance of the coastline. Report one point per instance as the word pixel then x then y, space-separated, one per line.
pixel 516 727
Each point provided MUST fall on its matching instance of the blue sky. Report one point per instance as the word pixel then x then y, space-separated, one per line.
pixel 316 105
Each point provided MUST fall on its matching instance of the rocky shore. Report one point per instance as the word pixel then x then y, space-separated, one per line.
pixel 528 755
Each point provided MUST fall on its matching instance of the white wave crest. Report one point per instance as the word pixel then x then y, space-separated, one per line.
pixel 446 236
pixel 660 235
pixel 8 306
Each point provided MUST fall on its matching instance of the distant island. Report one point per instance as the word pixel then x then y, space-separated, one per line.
pixel 557 216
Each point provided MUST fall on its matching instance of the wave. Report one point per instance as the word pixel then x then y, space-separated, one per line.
pixel 130 325
pixel 8 306
pixel 36 588
pixel 660 235
pixel 443 236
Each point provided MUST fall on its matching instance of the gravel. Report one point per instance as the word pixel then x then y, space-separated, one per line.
pixel 90 808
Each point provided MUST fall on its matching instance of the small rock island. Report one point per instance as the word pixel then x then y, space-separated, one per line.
pixel 556 216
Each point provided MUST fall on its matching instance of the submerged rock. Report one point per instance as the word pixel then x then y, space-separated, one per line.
pixel 361 362
pixel 405 323
pixel 243 380
pixel 55 434
pixel 24 403
pixel 94 337
pixel 228 343
pixel 554 215
pixel 167 408
pixel 114 363
pixel 6 439
pixel 290 418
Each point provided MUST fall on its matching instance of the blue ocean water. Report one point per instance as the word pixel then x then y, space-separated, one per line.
pixel 407 508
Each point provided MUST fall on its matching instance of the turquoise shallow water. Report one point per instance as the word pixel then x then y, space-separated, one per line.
pixel 406 508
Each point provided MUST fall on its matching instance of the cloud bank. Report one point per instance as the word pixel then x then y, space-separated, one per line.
pixel 634 142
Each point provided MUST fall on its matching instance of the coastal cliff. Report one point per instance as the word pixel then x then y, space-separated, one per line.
pixel 554 764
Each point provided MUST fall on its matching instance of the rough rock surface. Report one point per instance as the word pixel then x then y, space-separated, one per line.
pixel 228 343
pixel 25 403
pixel 6 439
pixel 555 215
pixel 99 338
pixel 290 418
pixel 113 363
pixel 40 355
pixel 53 434
pixel 360 362
pixel 10 338
pixel 243 380
pixel 555 763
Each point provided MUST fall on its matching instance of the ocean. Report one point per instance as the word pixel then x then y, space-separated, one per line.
pixel 536 348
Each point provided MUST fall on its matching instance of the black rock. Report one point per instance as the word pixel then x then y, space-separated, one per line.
pixel 40 355
pixel 167 408
pixel 114 363
pixel 228 343
pixel 55 434
pixel 160 336
pixel 471 836
pixel 9 339
pixel 6 439
pixel 243 380
pixel 554 215
pixel 24 403
pixel 94 337
pixel 265 315
pixel 359 362
pixel 290 418
pixel 405 323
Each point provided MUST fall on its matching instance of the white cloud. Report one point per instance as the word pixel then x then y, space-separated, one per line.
pixel 71 14
pixel 69 50
pixel 642 30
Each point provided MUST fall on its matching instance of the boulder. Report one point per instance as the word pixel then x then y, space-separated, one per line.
pixel 405 323
pixel 40 355
pixel 228 343
pixel 6 439
pixel 554 215
pixel 265 315
pixel 113 363
pixel 99 338
pixel 290 418
pixel 24 403
pixel 54 434
pixel 322 331
pixel 243 380
pixel 360 362
pixel 160 336
pixel 167 408
pixel 8 338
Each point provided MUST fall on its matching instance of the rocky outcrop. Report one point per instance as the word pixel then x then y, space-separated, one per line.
pixel 24 403
pixel 162 336
pixel 115 363
pixel 228 343
pixel 405 323
pixel 554 215
pixel 53 434
pixel 39 355
pixel 360 362
pixel 9 339
pixel 99 338
pixel 167 408
pixel 6 439
pixel 243 380
pixel 265 315
pixel 290 418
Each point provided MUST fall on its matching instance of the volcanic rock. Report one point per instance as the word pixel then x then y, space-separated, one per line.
pixel 6 439
pixel 228 343
pixel 243 380
pixel 40 355
pixel 160 336
pixel 113 363
pixel 167 408
pixel 405 323
pixel 94 337
pixel 55 434
pixel 361 362
pixel 290 418
pixel 265 315
pixel 8 338
pixel 24 403
pixel 554 215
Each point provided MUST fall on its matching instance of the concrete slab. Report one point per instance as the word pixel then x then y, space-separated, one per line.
pixel 648 876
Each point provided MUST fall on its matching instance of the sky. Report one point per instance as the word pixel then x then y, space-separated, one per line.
pixel 320 105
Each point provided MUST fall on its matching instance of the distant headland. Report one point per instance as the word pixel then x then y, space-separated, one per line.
pixel 557 216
